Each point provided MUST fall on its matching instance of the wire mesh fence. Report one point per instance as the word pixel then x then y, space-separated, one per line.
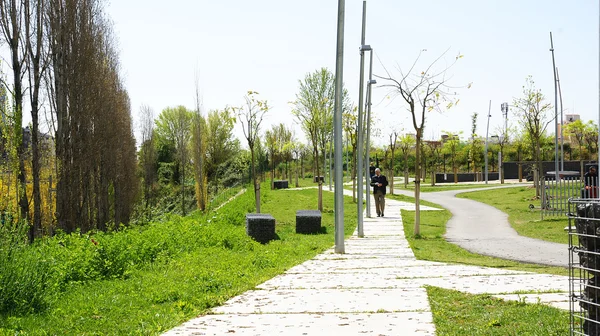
pixel 584 265
pixel 555 194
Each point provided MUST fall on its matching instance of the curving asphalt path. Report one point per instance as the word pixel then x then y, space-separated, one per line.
pixel 483 229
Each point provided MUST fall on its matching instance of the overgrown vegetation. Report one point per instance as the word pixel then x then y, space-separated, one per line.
pixel 146 279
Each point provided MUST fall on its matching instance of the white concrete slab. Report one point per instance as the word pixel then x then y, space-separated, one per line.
pixel 327 301
pixel 556 300
pixel 382 324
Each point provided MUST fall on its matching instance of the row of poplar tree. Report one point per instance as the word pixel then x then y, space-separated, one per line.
pixel 64 66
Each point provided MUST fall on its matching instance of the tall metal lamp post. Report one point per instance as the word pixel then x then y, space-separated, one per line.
pixel 486 142
pixel 360 140
pixel 368 127
pixel 337 125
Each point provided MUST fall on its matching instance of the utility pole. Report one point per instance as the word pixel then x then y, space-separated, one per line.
pixel 359 156
pixel 556 173
pixel 337 125
pixel 487 130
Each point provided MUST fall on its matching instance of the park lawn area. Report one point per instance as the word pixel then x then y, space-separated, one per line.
pixel 432 246
pixel 456 313
pixel 515 202
pixel 160 295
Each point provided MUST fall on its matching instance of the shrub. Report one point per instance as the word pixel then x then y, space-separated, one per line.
pixel 24 272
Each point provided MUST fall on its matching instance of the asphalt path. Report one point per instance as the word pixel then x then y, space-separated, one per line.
pixel 483 229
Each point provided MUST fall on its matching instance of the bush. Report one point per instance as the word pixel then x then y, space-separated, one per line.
pixel 24 273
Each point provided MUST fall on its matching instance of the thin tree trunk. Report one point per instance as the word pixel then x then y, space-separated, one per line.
pixel 417 228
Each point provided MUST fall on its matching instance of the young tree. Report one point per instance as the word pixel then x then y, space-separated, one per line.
pixel 173 126
pixel 314 111
pixel 576 129
pixel 407 143
pixel 12 13
pixel 251 117
pixel 534 114
pixel 451 147
pixel 350 119
pixel 37 62
pixel 434 148
pixel 199 151
pixel 423 92
pixel 393 143
pixel 221 146
pixel 147 154
pixel 271 142
pixel 591 138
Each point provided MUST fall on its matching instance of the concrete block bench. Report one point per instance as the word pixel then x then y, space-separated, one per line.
pixel 283 184
pixel 316 179
pixel 308 221
pixel 261 227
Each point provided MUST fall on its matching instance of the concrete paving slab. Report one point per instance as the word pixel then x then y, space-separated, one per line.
pixel 556 300
pixel 358 264
pixel 340 280
pixel 327 301
pixel 379 324
pixel 501 284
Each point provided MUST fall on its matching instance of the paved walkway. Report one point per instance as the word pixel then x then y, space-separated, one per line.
pixel 375 288
pixel 483 229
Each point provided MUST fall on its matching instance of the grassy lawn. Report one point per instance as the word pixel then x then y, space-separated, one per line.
pixel 175 287
pixel 456 313
pixel 432 246
pixel 515 202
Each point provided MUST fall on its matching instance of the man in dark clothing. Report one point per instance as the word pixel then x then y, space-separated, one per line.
pixel 591 183
pixel 379 183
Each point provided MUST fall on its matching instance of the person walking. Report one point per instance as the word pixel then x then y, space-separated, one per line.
pixel 379 183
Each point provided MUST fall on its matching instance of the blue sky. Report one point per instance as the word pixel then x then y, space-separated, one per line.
pixel 268 45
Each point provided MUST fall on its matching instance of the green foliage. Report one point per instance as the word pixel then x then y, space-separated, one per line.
pixel 24 273
pixel 147 279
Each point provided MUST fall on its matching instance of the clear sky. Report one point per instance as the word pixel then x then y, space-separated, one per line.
pixel 268 45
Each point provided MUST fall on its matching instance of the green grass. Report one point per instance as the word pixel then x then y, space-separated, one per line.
pixel 217 261
pixel 431 245
pixel 515 202
pixel 456 313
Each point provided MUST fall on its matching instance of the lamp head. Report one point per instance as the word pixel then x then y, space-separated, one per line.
pixel 365 47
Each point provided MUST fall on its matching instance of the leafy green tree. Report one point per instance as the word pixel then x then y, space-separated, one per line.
pixel 407 143
pixel 535 116
pixel 314 111
pixel 451 146
pixel 173 127
pixel 221 145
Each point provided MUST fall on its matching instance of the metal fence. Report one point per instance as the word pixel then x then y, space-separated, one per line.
pixel 584 266
pixel 555 194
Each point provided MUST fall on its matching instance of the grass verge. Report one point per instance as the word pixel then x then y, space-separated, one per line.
pixel 217 261
pixel 456 313
pixel 515 202
pixel 431 245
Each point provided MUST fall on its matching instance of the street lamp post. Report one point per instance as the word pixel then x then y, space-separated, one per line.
pixel 486 142
pixel 504 109
pixel 359 165
pixel 368 127
pixel 337 125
